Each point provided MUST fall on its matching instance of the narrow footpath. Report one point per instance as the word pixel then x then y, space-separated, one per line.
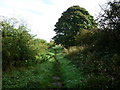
pixel 57 82
pixel 66 74
pixel 56 77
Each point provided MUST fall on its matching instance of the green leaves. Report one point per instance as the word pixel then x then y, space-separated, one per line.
pixel 110 20
pixel 42 57
pixel 18 45
pixel 85 37
pixel 72 20
pixel 39 76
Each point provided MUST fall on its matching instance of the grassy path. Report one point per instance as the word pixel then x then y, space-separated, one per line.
pixel 58 74
pixel 70 75
pixel 57 83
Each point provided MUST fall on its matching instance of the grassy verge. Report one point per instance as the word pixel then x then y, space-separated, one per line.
pixel 39 76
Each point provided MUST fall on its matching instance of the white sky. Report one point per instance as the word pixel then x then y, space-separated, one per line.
pixel 42 15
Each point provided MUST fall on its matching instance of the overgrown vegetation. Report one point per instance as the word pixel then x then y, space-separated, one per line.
pixel 19 47
pixel 91 56
pixel 39 76
pixel 97 53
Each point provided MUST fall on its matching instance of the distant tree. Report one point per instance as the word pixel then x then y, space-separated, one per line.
pixel 74 19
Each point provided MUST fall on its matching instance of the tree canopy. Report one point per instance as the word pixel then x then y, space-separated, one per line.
pixel 73 20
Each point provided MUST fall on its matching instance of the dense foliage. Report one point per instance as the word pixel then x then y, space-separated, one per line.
pixel 97 53
pixel 110 19
pixel 109 24
pixel 72 20
pixel 18 46
pixel 90 59
pixel 39 76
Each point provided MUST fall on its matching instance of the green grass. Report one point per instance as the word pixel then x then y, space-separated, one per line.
pixel 71 76
pixel 39 76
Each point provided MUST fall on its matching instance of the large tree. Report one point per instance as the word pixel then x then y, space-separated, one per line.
pixel 73 20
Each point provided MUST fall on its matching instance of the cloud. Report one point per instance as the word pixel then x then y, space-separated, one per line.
pixel 42 15
pixel 49 2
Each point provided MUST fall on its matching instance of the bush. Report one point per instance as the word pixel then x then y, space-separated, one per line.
pixel 19 48
pixel 85 37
